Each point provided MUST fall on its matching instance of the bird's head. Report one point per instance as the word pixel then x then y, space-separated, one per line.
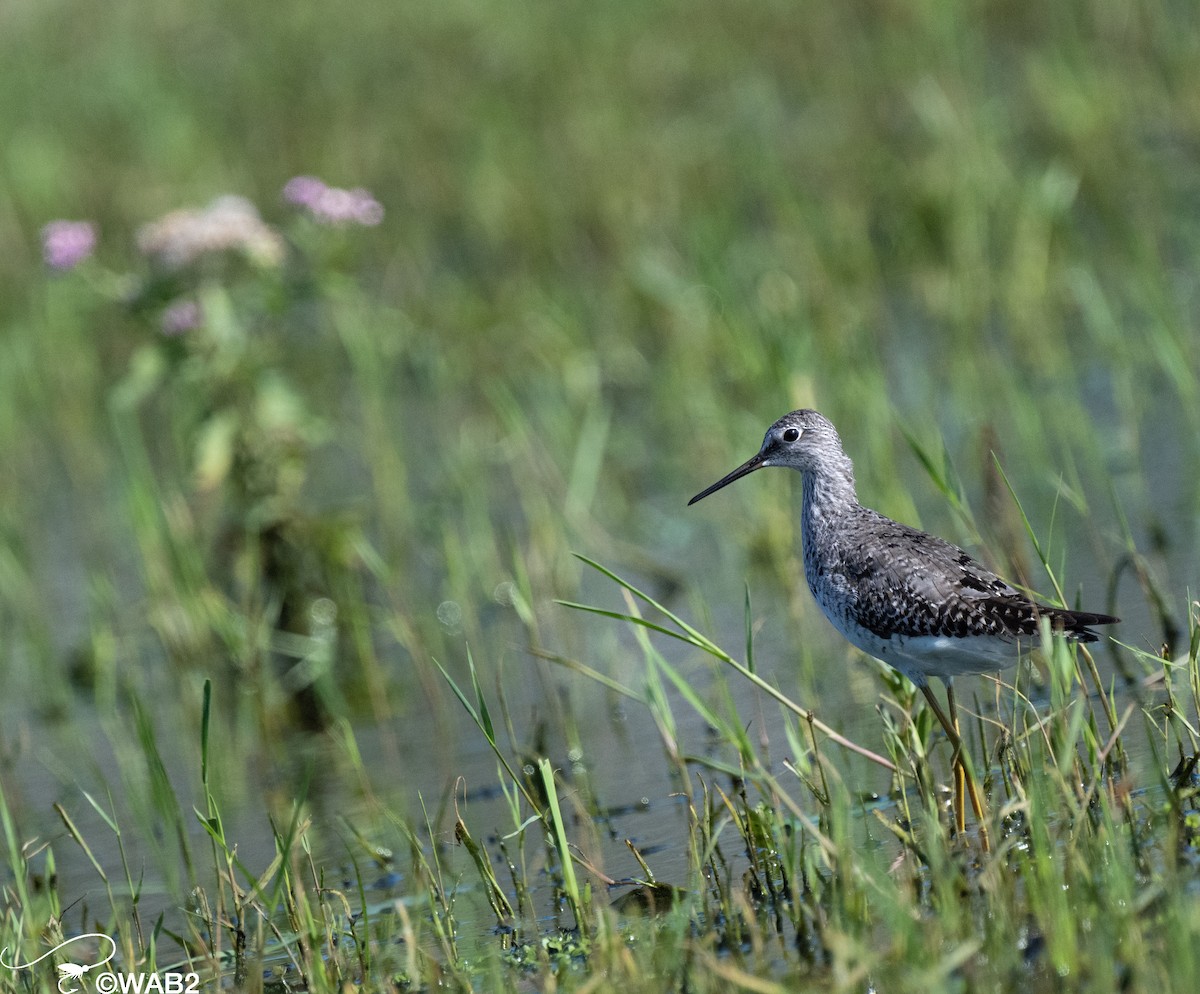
pixel 803 440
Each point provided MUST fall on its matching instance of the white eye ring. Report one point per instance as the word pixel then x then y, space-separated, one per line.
pixel 792 434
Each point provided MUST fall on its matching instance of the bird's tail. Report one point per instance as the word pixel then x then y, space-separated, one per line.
pixel 1076 625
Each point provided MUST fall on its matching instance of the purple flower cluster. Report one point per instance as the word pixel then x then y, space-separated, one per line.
pixel 228 224
pixel 65 244
pixel 332 205
pixel 181 316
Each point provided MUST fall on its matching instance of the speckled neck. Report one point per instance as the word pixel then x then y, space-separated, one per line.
pixel 829 488
pixel 829 500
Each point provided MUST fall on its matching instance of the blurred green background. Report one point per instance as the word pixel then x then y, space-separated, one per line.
pixel 621 238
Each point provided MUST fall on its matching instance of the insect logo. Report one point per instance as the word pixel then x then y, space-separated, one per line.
pixel 67 972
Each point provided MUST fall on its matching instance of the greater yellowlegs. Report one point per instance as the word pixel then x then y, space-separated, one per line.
pixel 908 598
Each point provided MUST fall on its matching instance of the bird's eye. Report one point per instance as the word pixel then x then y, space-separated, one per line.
pixel 791 434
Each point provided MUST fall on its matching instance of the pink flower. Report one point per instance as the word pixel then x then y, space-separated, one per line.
pixel 303 191
pixel 181 316
pixel 332 205
pixel 65 244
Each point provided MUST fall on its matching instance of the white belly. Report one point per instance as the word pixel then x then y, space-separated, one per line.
pixel 919 657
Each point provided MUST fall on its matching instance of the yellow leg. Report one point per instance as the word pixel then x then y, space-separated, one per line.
pixel 962 776
pixel 973 793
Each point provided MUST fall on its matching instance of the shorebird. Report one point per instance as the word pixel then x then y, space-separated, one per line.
pixel 916 602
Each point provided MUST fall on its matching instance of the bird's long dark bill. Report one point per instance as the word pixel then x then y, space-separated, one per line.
pixel 749 466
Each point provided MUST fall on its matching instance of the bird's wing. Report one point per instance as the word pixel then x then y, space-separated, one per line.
pixel 912 583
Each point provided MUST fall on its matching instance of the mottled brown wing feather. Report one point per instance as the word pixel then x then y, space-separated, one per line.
pixel 912 583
